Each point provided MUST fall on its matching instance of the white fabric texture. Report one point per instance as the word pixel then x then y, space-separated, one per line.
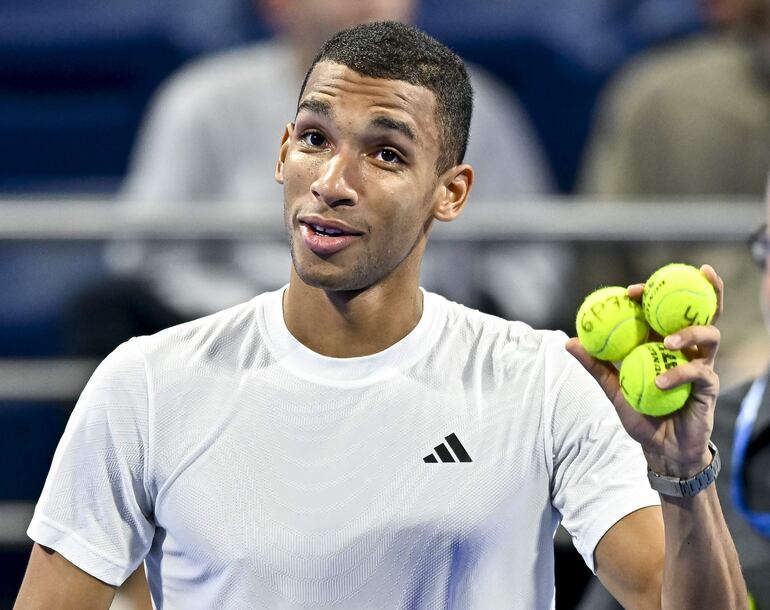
pixel 212 137
pixel 250 471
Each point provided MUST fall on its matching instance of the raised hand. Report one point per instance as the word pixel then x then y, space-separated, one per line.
pixel 676 444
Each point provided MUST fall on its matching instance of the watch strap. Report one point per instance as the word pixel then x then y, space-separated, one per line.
pixel 686 488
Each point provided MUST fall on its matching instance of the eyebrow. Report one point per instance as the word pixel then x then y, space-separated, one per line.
pixel 395 125
pixel 383 122
pixel 316 107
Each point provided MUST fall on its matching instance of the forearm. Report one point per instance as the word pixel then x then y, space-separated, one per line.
pixel 701 568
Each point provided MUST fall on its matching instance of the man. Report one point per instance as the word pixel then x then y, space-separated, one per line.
pixel 208 140
pixel 351 441
pixel 690 118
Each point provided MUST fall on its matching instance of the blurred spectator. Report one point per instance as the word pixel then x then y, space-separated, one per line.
pixel 742 433
pixel 693 120
pixel 76 75
pixel 216 126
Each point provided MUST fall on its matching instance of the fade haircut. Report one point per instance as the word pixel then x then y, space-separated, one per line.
pixel 396 51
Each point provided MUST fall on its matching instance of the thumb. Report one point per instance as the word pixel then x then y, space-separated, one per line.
pixel 605 373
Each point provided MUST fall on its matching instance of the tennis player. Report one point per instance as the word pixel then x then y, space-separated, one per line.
pixel 351 441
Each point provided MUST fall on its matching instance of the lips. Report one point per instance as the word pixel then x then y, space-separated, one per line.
pixel 323 236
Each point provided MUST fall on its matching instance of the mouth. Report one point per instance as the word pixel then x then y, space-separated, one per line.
pixel 323 236
pixel 326 227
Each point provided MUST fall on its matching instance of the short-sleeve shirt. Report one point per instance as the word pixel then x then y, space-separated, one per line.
pixel 249 471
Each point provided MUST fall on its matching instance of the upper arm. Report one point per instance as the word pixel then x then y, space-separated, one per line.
pixel 599 472
pixel 96 507
pixel 629 559
pixel 51 581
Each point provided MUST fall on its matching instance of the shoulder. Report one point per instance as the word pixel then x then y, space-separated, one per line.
pixel 491 92
pixel 483 82
pixel 220 340
pixel 510 343
pixel 120 379
pixel 503 145
pixel 225 74
pixel 679 70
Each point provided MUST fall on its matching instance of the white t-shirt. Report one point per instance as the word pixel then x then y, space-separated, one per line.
pixel 248 471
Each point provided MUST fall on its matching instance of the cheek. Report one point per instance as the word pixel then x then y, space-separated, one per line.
pixel 410 213
pixel 298 174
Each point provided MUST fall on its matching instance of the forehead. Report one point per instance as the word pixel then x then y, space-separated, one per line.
pixel 351 95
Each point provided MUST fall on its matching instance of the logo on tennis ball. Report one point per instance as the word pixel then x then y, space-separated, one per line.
pixel 637 380
pixel 610 324
pixel 678 295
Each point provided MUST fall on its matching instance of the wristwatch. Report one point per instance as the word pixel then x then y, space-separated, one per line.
pixel 686 488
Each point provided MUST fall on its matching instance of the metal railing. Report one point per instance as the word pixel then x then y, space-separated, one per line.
pixel 547 220
pixel 556 219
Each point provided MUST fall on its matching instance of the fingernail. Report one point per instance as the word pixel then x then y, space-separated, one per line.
pixel 673 341
pixel 662 382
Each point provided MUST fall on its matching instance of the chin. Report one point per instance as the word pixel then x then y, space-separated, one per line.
pixel 337 280
pixel 360 273
pixel 333 284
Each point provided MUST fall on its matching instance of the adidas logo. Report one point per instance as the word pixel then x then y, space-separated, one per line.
pixel 445 455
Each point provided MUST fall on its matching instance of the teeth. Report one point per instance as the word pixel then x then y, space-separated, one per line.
pixel 325 231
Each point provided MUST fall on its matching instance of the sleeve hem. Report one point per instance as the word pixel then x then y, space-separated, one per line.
pixel 77 550
pixel 608 517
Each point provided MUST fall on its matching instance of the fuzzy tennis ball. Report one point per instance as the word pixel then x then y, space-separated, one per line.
pixel 610 324
pixel 676 296
pixel 637 380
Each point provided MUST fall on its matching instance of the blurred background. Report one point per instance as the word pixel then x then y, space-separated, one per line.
pixel 138 141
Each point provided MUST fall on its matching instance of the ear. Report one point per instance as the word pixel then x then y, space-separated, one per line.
pixel 282 152
pixel 454 187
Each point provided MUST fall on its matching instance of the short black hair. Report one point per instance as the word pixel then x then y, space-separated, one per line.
pixel 396 51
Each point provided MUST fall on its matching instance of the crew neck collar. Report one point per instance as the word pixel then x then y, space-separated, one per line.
pixel 316 367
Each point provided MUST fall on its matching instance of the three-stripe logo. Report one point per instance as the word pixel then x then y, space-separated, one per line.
pixel 445 455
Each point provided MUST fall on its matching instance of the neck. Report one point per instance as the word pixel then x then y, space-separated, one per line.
pixel 349 324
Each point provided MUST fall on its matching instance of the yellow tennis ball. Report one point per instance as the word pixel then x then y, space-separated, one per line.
pixel 637 380
pixel 676 296
pixel 610 324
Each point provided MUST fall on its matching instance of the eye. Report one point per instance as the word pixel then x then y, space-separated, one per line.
pixel 313 138
pixel 389 155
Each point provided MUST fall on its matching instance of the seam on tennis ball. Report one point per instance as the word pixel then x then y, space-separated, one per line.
pixel 670 294
pixel 601 351
pixel 609 336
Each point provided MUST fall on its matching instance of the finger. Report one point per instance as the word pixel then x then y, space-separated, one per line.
pixel 696 341
pixel 704 379
pixel 719 285
pixel 635 291
pixel 604 372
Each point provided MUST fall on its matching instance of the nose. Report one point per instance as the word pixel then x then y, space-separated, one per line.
pixel 334 185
